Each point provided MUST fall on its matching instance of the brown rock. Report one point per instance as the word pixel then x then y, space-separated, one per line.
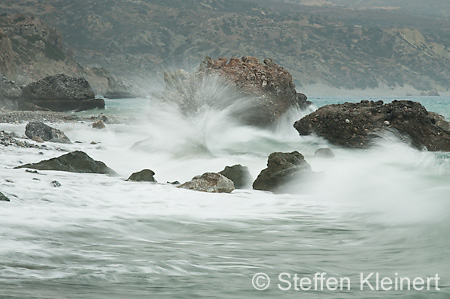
pixel 99 124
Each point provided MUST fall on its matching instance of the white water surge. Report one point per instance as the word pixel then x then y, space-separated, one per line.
pixel 381 210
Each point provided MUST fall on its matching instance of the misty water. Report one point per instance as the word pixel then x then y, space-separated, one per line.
pixel 383 210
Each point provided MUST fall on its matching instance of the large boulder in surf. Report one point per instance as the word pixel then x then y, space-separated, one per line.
pixel 269 85
pixel 282 170
pixel 76 161
pixel 59 93
pixel 38 130
pixel 239 174
pixel 210 182
pixel 356 125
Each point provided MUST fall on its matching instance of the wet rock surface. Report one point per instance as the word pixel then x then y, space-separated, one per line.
pixel 210 182
pixel 269 84
pixel 59 93
pixel 239 174
pixel 76 161
pixel 357 125
pixel 282 170
pixel 324 153
pixel 145 175
pixel 34 130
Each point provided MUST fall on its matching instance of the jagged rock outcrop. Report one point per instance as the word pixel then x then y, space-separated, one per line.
pixel 239 174
pixel 60 93
pixel 76 161
pixel 358 124
pixel 210 182
pixel 268 84
pixel 39 130
pixel 119 89
pixel 145 175
pixel 282 170
pixel 9 94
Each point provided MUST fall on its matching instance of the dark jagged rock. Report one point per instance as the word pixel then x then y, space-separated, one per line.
pixel 239 174
pixel 3 197
pixel 282 169
pixel 269 84
pixel 76 161
pixel 60 93
pixel 324 153
pixel 356 125
pixel 145 175
pixel 35 130
pixel 210 182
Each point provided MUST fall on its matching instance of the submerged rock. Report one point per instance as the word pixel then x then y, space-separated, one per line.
pixel 282 169
pixel 76 161
pixel 356 125
pixel 59 93
pixel 210 182
pixel 39 130
pixel 145 175
pixel 99 124
pixel 324 153
pixel 3 197
pixel 269 84
pixel 239 174
pixel 56 184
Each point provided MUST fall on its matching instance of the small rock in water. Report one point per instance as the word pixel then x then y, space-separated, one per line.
pixel 239 175
pixel 283 169
pixel 56 184
pixel 32 171
pixel 174 183
pixel 210 182
pixel 3 197
pixel 99 124
pixel 76 161
pixel 145 175
pixel 40 132
pixel 324 153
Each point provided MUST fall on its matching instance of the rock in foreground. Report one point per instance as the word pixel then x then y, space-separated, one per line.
pixel 356 125
pixel 145 175
pixel 59 93
pixel 210 182
pixel 76 161
pixel 39 130
pixel 239 174
pixel 282 169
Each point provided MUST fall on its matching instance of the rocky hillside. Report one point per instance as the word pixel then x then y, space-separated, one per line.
pixel 337 46
pixel 30 50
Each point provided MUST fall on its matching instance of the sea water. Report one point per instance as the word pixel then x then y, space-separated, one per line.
pixel 383 211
